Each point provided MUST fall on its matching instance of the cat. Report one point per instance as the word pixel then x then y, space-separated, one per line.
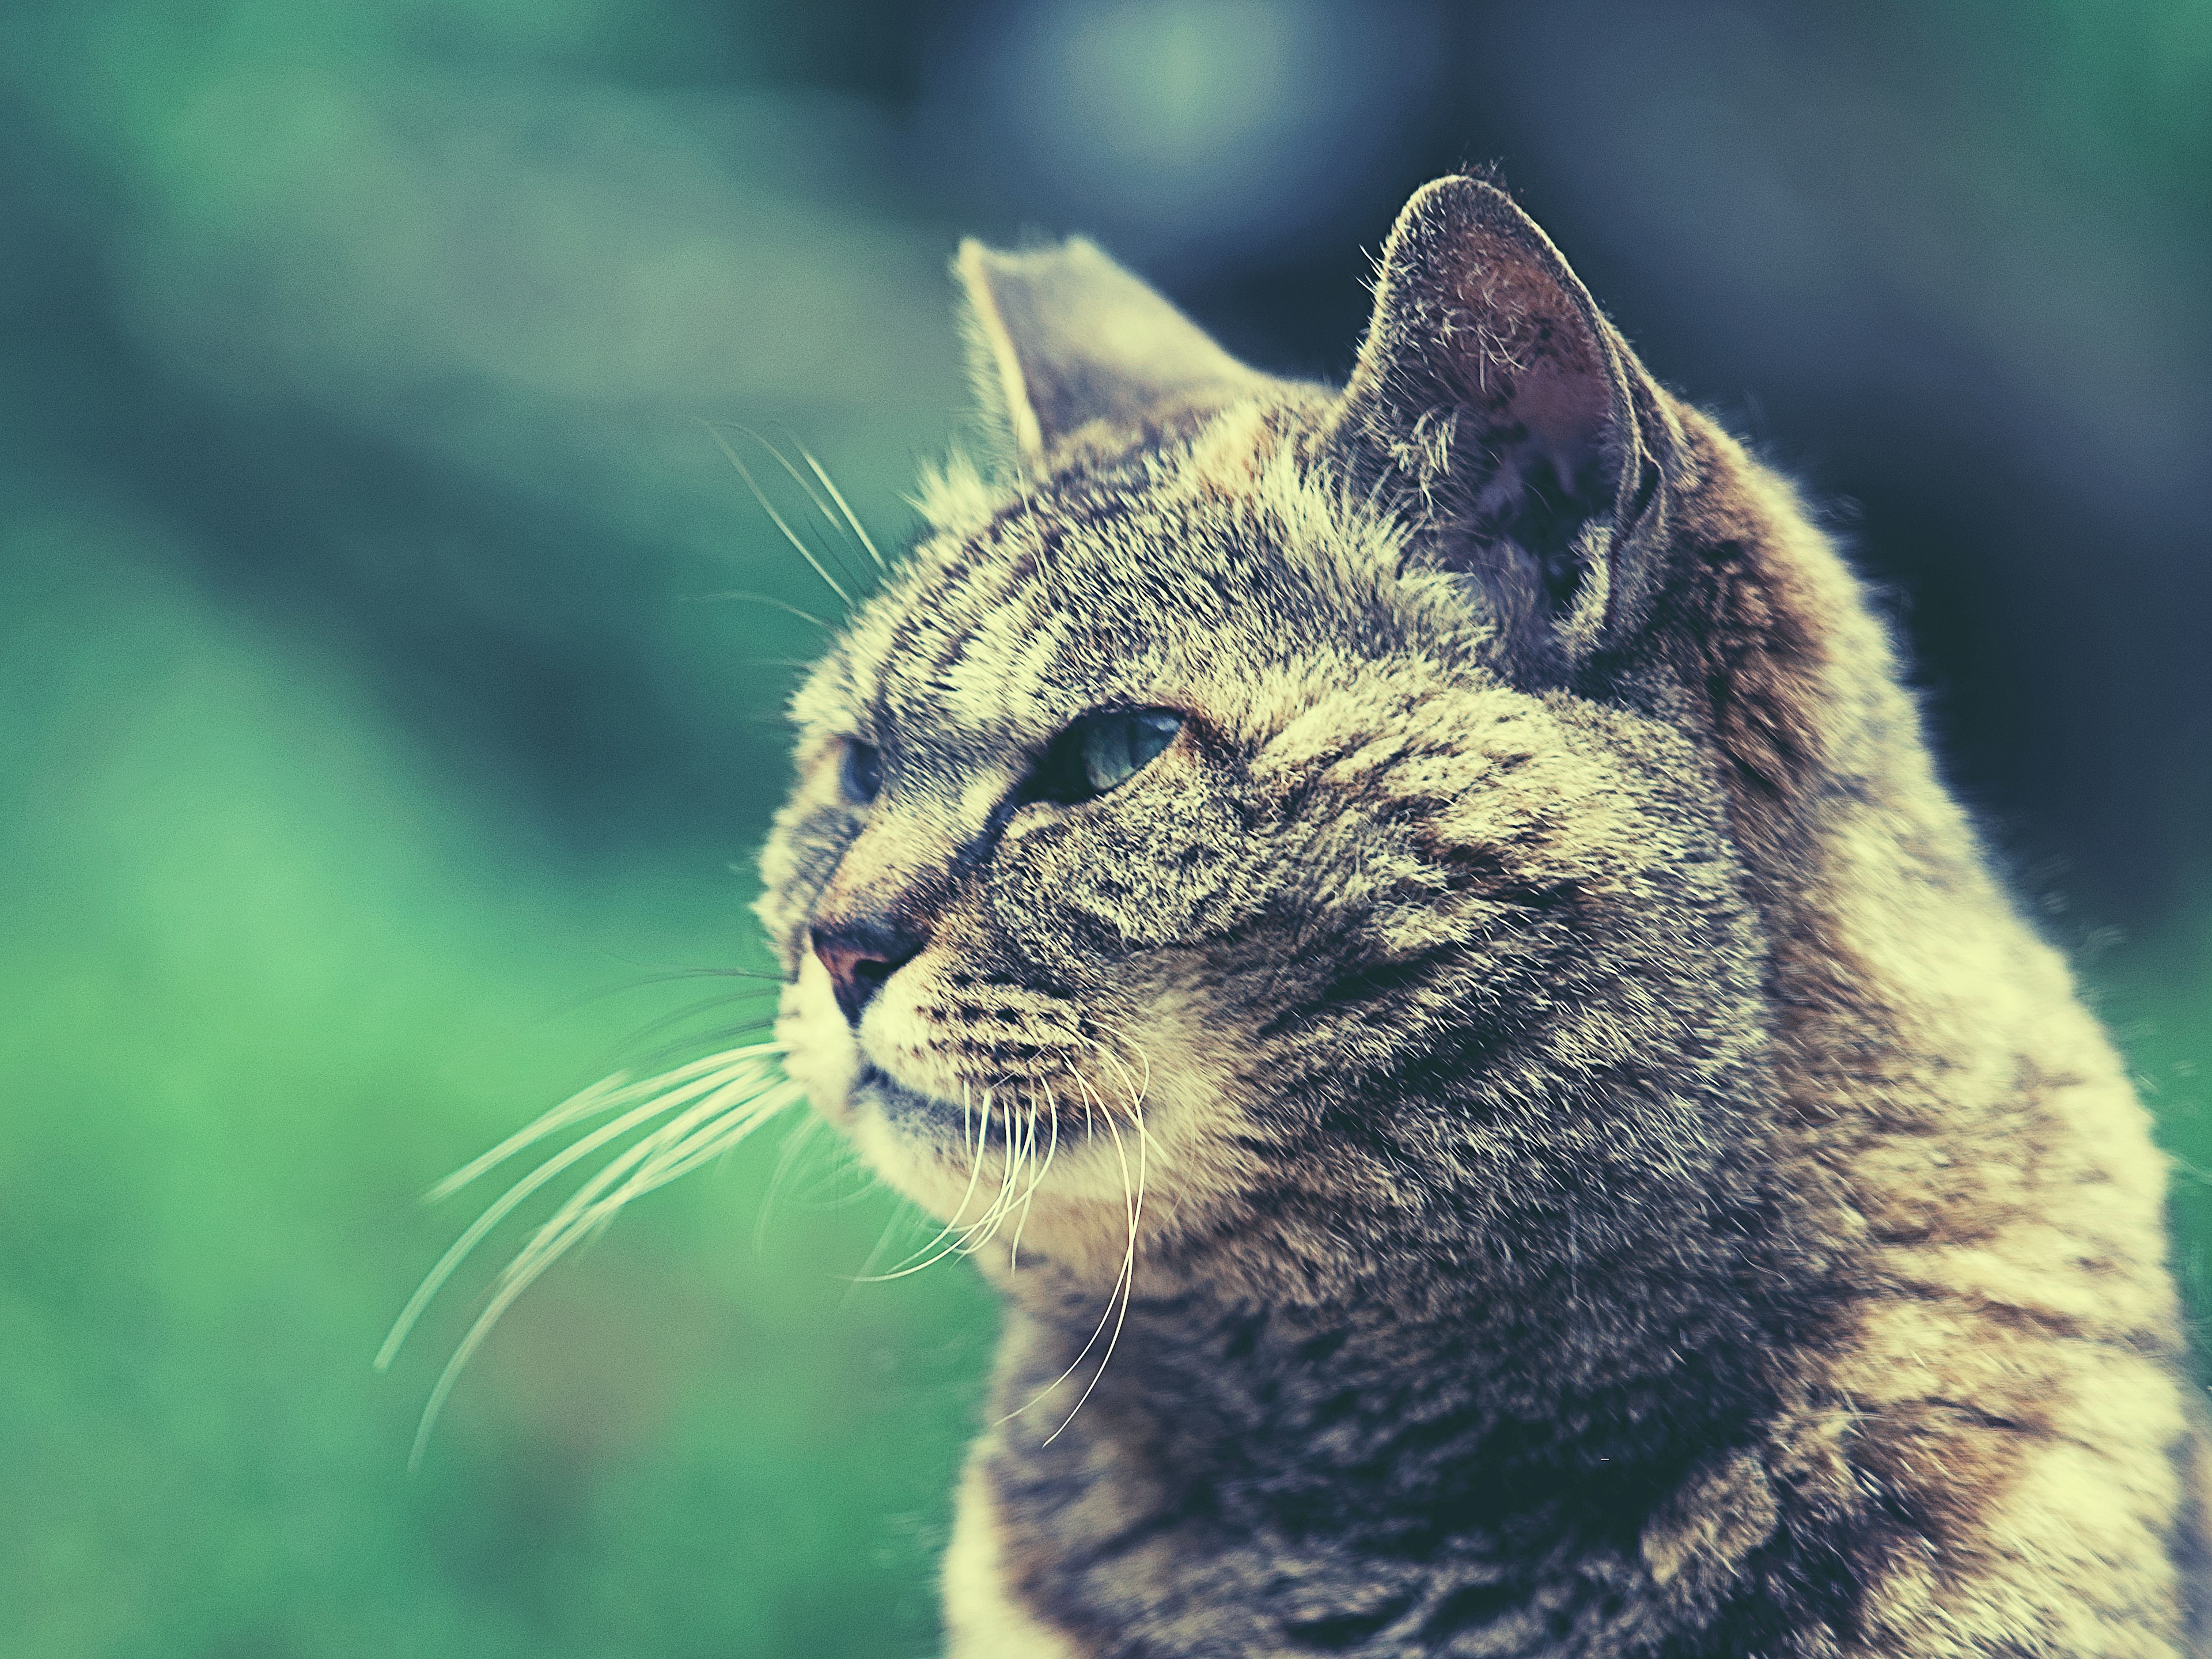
pixel 1510 1114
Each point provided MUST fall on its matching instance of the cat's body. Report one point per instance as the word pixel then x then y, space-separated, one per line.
pixel 1618 1178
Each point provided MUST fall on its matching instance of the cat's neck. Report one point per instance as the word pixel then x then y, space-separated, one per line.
pixel 1410 1419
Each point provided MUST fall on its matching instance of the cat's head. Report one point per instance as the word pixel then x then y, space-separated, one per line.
pixel 1256 793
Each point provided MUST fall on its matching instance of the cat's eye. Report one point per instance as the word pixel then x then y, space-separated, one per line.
pixel 860 775
pixel 1102 751
pixel 1119 744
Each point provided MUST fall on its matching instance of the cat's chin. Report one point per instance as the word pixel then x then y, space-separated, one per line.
pixel 956 1137
pixel 1015 1175
pixel 911 1113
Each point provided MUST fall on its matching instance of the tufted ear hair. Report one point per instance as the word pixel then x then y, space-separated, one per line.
pixel 1496 405
pixel 1061 337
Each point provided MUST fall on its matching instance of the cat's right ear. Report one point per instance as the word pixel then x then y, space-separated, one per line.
pixel 1061 337
pixel 1508 421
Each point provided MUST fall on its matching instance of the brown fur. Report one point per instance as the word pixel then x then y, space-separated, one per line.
pixel 1620 1177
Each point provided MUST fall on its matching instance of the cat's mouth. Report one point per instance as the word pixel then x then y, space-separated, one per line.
pixel 1052 1169
pixel 995 1139
pixel 906 1108
pixel 987 1121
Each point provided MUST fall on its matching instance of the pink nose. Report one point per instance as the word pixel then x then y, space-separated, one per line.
pixel 860 957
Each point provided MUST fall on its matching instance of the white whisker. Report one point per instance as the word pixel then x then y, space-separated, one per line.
pixel 1127 1283
pixel 727 1093
pixel 646 1157
pixel 575 1219
pixel 603 1096
pixel 775 517
pixel 771 600
pixel 837 497
pixel 813 495
pixel 1009 1175
pixel 656 1104
pixel 913 1264
pixel 1052 1116
pixel 1115 1295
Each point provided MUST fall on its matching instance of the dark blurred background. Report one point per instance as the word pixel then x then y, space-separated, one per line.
pixel 375 756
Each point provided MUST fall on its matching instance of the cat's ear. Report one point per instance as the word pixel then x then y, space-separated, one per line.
pixel 1494 402
pixel 1062 337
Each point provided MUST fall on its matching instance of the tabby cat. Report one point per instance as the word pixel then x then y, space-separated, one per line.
pixel 1413 931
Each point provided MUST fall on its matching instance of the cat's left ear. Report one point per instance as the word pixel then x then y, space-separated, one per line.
pixel 1497 405
pixel 1062 337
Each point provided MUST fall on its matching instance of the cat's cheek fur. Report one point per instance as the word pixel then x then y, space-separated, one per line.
pixel 1150 1133
pixel 819 1052
pixel 905 1033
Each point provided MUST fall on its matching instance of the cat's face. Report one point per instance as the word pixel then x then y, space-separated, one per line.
pixel 1170 824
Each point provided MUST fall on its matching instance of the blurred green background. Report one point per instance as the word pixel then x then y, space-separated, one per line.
pixel 373 759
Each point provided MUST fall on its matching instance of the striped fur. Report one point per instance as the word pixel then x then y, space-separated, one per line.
pixel 1618 1176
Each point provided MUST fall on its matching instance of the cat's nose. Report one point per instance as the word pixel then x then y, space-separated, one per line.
pixel 860 956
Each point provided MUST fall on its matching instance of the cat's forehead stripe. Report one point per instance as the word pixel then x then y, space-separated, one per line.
pixel 983 626
pixel 998 663
pixel 1225 532
pixel 981 616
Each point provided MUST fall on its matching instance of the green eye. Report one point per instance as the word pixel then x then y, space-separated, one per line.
pixel 861 773
pixel 1118 745
pixel 1102 751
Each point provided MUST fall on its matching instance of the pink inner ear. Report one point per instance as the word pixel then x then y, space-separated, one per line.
pixel 1566 413
pixel 1536 365
pixel 1496 403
